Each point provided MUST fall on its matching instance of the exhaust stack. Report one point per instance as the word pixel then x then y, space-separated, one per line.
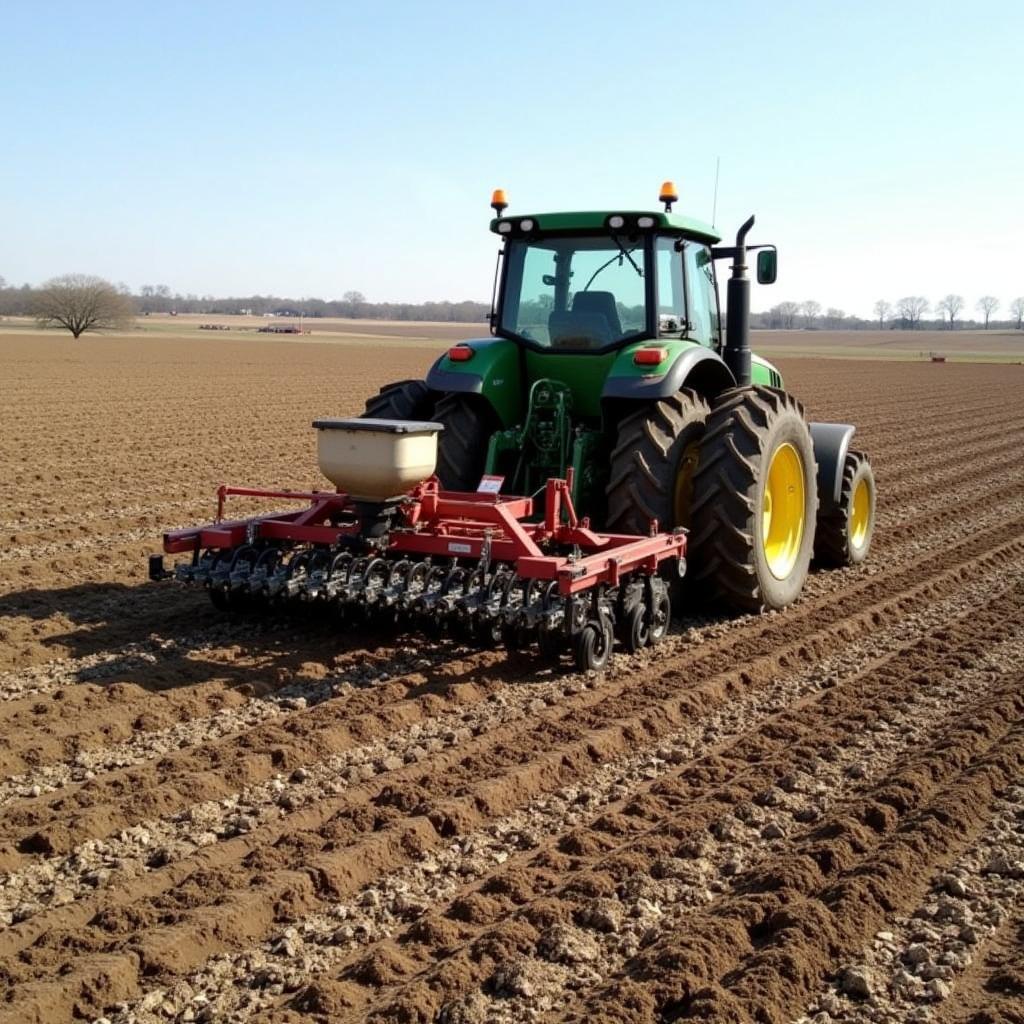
pixel 737 316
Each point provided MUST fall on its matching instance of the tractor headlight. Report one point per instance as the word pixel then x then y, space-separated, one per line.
pixel 505 227
pixel 645 222
pixel 616 221
pixel 526 224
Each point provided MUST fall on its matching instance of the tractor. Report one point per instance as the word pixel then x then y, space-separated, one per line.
pixel 668 456
pixel 606 363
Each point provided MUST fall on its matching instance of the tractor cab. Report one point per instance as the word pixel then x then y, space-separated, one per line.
pixel 595 282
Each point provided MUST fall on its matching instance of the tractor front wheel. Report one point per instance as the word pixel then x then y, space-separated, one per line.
pixel 844 531
pixel 754 501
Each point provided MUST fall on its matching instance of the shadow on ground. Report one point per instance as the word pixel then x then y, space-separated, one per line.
pixel 162 636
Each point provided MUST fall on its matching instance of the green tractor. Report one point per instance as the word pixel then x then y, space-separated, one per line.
pixel 607 363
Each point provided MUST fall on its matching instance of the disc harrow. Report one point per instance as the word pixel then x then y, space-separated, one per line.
pixel 476 564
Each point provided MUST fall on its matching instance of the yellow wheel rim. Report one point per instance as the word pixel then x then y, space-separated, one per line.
pixel 782 513
pixel 860 513
pixel 683 495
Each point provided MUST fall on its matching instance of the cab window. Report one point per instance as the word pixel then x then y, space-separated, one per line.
pixel 671 293
pixel 701 292
pixel 569 293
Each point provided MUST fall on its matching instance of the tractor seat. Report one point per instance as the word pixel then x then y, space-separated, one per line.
pixel 602 303
pixel 579 330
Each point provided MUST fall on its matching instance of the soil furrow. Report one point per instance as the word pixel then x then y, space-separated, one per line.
pixel 33 827
pixel 761 954
pixel 342 931
pixel 901 447
pixel 691 815
pixel 234 714
pixel 926 960
pixel 55 881
pixel 165 949
pixel 43 749
pixel 991 991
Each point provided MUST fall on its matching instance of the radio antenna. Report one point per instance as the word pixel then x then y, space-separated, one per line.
pixel 714 204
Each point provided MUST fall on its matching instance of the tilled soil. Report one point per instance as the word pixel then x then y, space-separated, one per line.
pixel 813 815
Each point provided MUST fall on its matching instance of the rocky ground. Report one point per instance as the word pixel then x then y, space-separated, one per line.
pixel 815 815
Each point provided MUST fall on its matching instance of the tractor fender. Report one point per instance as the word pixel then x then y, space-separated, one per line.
pixel 831 443
pixel 693 366
pixel 493 372
pixel 441 379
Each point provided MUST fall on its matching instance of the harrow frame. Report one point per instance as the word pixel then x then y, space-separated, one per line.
pixel 541 578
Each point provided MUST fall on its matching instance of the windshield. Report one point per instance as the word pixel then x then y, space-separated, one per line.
pixel 575 293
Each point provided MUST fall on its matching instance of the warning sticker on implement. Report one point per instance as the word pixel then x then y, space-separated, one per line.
pixel 459 549
pixel 490 484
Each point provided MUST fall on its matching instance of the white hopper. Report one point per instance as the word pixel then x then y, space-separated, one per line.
pixel 375 460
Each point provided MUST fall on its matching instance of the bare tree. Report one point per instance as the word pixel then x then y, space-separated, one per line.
pixel 810 310
pixel 1017 311
pixel 882 310
pixel 787 313
pixel 910 309
pixel 80 303
pixel 950 305
pixel 355 301
pixel 834 317
pixel 988 304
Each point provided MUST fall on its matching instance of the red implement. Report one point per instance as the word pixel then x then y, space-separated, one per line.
pixel 481 560
pixel 453 524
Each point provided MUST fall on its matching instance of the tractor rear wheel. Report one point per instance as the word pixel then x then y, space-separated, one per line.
pixel 462 446
pixel 653 464
pixel 755 501
pixel 403 400
pixel 843 534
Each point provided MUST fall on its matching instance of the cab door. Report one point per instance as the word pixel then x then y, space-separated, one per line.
pixel 701 295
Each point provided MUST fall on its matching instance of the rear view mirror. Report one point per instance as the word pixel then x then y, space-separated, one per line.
pixel 767 266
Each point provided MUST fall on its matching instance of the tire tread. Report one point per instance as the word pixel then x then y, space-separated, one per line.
pixel 832 536
pixel 721 550
pixel 643 466
pixel 401 400
pixel 462 446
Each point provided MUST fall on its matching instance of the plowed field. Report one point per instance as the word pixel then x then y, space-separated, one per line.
pixel 810 815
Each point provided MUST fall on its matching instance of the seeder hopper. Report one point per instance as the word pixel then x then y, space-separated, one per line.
pixel 479 562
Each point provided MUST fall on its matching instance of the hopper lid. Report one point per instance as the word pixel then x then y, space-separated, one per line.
pixel 381 426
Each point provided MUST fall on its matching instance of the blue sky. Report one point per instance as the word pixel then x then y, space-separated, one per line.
pixel 312 148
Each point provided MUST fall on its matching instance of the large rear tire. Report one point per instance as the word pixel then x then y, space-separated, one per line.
pixel 653 464
pixel 755 501
pixel 403 400
pixel 844 531
pixel 462 446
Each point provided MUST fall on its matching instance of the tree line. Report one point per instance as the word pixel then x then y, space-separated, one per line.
pixel 907 314
pixel 119 301
pixel 80 303
pixel 948 308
